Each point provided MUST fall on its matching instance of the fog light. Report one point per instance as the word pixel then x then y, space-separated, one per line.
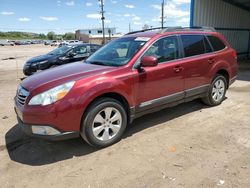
pixel 44 130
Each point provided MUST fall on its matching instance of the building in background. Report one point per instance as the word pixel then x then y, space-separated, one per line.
pixel 94 35
pixel 230 17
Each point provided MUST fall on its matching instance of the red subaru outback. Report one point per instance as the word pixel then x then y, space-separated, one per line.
pixel 137 74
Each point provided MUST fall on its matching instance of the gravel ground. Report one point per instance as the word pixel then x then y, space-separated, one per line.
pixel 190 145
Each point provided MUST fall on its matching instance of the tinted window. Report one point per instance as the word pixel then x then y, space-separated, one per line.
pixel 195 45
pixel 216 43
pixel 165 49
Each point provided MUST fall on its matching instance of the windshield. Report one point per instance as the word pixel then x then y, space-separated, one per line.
pixel 118 52
pixel 59 51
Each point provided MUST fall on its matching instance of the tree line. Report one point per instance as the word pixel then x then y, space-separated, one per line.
pixel 27 35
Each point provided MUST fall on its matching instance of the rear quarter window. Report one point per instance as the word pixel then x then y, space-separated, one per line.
pixel 216 43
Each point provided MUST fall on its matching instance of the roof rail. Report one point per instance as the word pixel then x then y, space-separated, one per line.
pixel 177 28
pixel 195 28
pixel 155 28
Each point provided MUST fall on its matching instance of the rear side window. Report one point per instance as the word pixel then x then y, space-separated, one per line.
pixel 216 43
pixel 195 45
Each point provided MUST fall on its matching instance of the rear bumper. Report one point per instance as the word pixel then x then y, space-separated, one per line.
pixel 27 129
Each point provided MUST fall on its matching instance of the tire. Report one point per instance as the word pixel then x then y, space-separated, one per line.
pixel 217 88
pixel 97 127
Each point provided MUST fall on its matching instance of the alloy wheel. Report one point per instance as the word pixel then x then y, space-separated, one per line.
pixel 107 123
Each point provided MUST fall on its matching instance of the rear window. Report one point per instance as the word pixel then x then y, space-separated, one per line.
pixel 195 45
pixel 216 43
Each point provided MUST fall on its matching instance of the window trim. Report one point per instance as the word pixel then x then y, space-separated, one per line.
pixel 181 54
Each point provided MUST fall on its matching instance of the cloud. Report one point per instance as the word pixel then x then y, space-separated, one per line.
pixel 107 21
pixel 156 7
pixel 181 1
pixel 70 3
pixel 94 16
pixel 129 6
pixel 59 3
pixel 7 13
pixel 48 18
pixel 173 11
pixel 114 2
pixel 156 19
pixel 24 19
pixel 183 20
pixel 128 15
pixel 136 18
pixel 137 23
pixel 88 4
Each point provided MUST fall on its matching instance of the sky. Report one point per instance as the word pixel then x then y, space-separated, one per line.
pixel 60 16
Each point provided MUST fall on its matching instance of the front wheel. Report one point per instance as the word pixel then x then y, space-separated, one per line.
pixel 217 91
pixel 104 123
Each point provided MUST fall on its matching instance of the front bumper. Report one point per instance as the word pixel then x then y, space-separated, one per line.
pixel 27 129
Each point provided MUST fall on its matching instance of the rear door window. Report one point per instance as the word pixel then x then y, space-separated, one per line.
pixel 216 43
pixel 195 45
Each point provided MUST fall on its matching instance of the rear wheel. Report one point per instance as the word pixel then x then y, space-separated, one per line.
pixel 104 123
pixel 217 91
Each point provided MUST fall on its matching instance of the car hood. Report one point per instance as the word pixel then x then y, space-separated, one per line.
pixel 63 74
pixel 40 58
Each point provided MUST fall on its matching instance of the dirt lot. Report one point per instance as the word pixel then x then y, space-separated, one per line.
pixel 190 145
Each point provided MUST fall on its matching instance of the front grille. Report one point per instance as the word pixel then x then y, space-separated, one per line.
pixel 21 95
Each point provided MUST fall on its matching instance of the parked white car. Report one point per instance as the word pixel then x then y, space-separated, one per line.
pixel 55 43
pixel 6 43
pixel 71 42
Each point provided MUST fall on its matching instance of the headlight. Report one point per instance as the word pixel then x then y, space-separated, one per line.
pixel 52 95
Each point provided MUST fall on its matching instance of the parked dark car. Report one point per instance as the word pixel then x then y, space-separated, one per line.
pixel 59 56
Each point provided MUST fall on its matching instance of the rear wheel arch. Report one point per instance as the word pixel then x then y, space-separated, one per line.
pixel 224 73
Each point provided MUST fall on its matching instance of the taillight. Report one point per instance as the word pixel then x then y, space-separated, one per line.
pixel 234 53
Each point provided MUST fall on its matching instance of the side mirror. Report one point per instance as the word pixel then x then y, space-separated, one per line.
pixel 149 61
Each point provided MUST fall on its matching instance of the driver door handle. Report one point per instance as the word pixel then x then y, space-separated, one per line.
pixel 178 69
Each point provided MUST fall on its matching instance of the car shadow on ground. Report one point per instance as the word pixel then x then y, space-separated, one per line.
pixel 36 152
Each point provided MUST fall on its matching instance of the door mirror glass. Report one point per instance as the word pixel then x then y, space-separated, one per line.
pixel 149 61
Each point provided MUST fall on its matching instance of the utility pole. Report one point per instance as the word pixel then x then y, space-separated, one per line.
pixel 162 14
pixel 129 27
pixel 102 18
